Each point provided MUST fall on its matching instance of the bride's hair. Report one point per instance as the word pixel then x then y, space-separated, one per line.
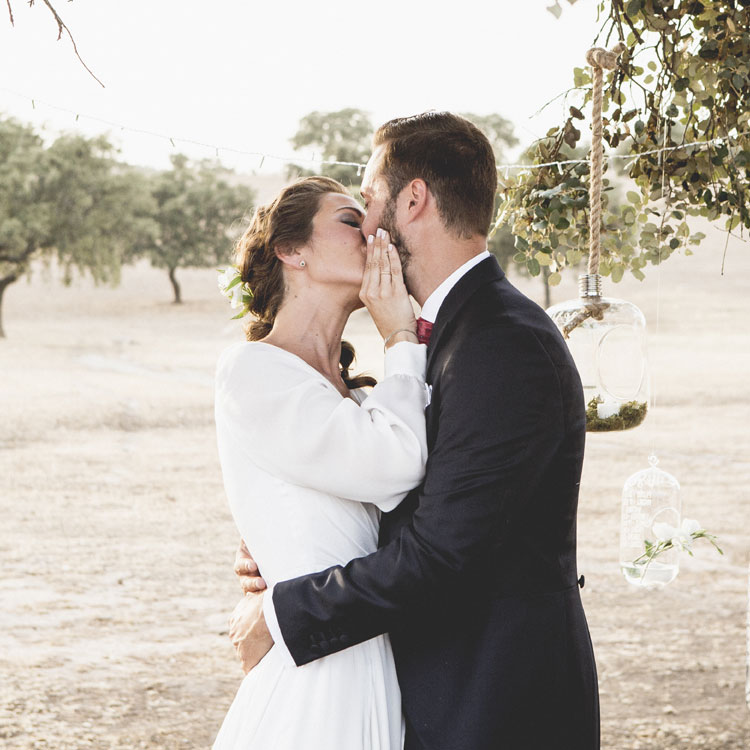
pixel 284 224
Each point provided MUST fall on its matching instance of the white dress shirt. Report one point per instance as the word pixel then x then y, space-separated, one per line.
pixel 430 311
pixel 434 302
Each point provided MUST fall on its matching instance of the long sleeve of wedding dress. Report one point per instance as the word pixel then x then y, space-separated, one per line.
pixel 291 422
pixel 307 472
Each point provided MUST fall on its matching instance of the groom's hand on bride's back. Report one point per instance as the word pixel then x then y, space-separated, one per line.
pixel 247 626
pixel 247 569
pixel 248 631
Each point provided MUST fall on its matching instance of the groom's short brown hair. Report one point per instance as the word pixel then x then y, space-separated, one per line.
pixel 452 156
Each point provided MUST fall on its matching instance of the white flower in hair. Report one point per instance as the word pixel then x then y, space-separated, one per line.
pixel 231 286
pixel 225 278
pixel 236 296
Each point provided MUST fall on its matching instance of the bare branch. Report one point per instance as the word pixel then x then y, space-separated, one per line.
pixel 10 12
pixel 62 28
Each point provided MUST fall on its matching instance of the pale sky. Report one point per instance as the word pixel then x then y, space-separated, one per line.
pixel 242 74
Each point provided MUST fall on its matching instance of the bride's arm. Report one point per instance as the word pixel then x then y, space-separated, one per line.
pixel 294 425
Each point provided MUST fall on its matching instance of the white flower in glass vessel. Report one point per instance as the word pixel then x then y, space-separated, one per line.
pixel 673 537
pixel 682 537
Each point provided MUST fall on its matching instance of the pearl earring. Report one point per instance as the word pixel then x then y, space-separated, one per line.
pixel 302 264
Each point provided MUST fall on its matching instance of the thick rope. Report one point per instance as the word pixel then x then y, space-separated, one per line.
pixel 598 59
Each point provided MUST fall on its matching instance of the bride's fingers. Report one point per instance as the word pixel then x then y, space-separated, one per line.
pixel 367 275
pixel 386 273
pixel 377 264
pixel 396 271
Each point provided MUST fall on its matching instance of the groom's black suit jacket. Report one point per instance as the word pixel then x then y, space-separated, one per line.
pixel 476 575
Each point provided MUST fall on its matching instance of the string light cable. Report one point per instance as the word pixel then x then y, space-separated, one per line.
pixel 262 156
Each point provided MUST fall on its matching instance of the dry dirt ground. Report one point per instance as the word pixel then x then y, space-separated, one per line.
pixel 116 544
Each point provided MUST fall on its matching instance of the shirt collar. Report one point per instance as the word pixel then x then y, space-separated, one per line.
pixel 432 304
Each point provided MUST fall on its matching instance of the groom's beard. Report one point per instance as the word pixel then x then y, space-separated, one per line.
pixel 388 222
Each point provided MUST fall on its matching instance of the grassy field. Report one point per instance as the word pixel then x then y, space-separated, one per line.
pixel 116 543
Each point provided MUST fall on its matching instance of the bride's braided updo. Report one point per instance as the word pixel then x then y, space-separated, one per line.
pixel 284 224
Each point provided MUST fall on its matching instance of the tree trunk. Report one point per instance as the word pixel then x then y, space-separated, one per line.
pixel 4 282
pixel 175 286
pixel 545 280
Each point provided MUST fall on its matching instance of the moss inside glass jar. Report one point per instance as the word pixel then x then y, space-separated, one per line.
pixel 630 414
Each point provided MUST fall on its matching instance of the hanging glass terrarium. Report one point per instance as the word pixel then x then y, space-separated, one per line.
pixel 606 336
pixel 651 514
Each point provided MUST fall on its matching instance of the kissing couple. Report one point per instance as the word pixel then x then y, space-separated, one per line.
pixel 416 537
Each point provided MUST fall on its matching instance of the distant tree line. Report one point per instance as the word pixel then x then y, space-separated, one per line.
pixel 74 202
pixel 346 136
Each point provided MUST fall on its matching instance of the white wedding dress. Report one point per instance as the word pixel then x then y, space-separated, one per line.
pixel 307 472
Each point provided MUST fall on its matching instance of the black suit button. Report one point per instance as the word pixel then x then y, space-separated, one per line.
pixel 344 640
pixel 315 648
pixel 334 641
pixel 582 581
pixel 324 645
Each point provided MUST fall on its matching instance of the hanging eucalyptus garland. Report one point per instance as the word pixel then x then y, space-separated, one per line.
pixel 683 84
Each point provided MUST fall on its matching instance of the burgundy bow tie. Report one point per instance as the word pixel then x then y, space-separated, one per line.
pixel 424 330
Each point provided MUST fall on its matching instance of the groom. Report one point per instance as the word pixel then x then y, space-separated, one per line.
pixel 475 578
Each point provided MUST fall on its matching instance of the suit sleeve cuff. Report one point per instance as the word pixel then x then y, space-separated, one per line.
pixel 406 358
pixel 272 623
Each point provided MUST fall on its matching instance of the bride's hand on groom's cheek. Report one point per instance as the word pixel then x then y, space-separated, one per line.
pixel 384 293
pixel 247 570
pixel 248 631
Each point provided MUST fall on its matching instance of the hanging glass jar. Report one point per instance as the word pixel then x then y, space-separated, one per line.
pixel 607 338
pixel 651 505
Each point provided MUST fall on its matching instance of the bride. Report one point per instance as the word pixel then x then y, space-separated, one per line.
pixel 310 458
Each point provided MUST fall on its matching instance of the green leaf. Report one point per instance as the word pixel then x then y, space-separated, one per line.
pixel 573 256
pixel 634 7
pixel 710 50
pixel 581 77
pixel 520 243
pixel 543 259
pixel 555 10
pixel 533 265
pixel 634 197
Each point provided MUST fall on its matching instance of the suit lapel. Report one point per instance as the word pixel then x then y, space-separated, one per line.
pixel 483 273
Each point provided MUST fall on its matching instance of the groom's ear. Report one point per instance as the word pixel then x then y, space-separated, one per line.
pixel 417 199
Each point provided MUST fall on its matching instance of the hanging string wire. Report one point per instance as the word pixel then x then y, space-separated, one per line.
pixel 666 196
pixel 216 149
